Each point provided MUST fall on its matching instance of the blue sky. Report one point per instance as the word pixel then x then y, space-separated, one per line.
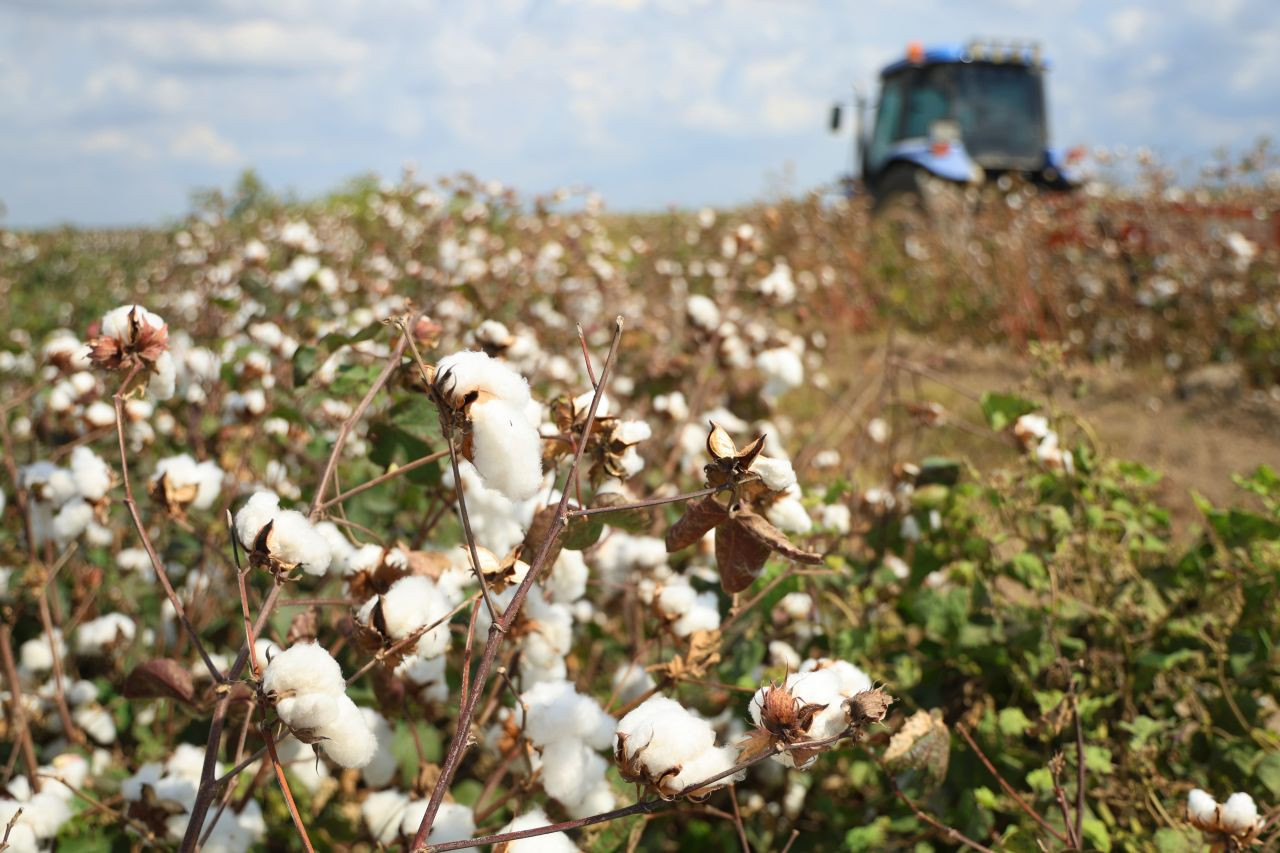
pixel 115 109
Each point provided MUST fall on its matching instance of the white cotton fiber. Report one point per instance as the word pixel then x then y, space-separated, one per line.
pixel 348 740
pixel 260 509
pixel 1239 813
pixel 454 822
pixel 295 540
pixel 91 474
pixel 382 766
pixel 777 474
pixel 467 372
pixel 303 668
pixel 308 711
pixel 382 812
pixel 552 842
pixel 1201 806
pixel 411 603
pixel 506 449
pixel 706 764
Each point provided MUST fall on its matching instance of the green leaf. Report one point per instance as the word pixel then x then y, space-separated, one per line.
pixel 1268 772
pixel 582 532
pixel 986 798
pixel 1096 832
pixel 1012 722
pixel 1001 410
pixel 1169 840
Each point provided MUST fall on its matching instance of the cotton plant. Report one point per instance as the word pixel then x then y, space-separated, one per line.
pixel 1036 437
pixel 1232 825
pixel 136 340
pixel 35 817
pixel 180 483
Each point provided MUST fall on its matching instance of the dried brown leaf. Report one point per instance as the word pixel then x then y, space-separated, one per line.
pixel 740 556
pixel 161 678
pixel 699 517
pixel 763 531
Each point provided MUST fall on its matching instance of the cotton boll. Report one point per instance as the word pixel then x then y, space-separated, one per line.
pixel 782 369
pixel 382 812
pixel 570 769
pixel 597 800
pixel 97 723
pixel 836 517
pixel 567 580
pixel 97 635
pixel 236 832
pixel 783 654
pixel 163 377
pixel 776 474
pixel 631 681
pixel 294 540
pixel 91 474
pixel 851 679
pixel 1239 814
pixel 1201 806
pixel 552 842
pixel 411 603
pixel 117 323
pixel 348 741
pixel 664 734
pixel 702 615
pixel 789 516
pixel 706 764
pixel 454 822
pixel 428 675
pixel 72 520
pixel 382 767
pixel 44 813
pixel 507 449
pixel 554 710
pixel 36 655
pixel 463 373
pixel 340 548
pixel 308 712
pixel 303 668
pixel 257 512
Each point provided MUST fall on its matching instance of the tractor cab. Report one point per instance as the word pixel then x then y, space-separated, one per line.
pixel 963 115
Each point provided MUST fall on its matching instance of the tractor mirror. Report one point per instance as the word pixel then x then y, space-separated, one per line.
pixel 835 117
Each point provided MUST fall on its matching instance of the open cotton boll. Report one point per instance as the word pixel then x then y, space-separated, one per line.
pixel 72 520
pixel 567 580
pixel 496 520
pixel 428 675
pixel 776 474
pixel 303 668
pixel 382 767
pixel 783 371
pixel 789 516
pixel 300 760
pixel 852 680
pixel 36 655
pixel 236 832
pixel 454 822
pixel 348 740
pixel 552 842
pixel 571 770
pixel 97 635
pixel 411 603
pixel 703 615
pixel 1239 813
pixel 664 734
pixel 117 324
pixel 383 812
pixel 295 540
pixel 160 384
pixel 554 710
pixel 706 764
pixel 96 723
pixel 183 472
pixel 340 547
pixel 91 474
pixel 702 312
pixel 257 512
pixel 1201 806
pixel 308 711
pixel 467 372
pixel 631 681
pixel 506 449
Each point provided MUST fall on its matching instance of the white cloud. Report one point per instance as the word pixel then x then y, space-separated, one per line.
pixel 200 142
pixel 255 44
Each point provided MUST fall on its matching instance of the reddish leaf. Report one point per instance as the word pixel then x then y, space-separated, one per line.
pixel 739 556
pixel 699 517
pixel 161 678
pixel 763 531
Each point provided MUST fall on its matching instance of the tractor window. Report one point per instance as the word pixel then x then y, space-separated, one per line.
pixel 888 117
pixel 1001 110
pixel 930 102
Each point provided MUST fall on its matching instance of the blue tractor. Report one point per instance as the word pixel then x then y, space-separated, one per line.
pixel 955 117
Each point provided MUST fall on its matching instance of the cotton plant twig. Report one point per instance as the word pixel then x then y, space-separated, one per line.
pixel 393 362
pixel 1009 789
pixel 59 682
pixel 642 807
pixel 648 502
pixel 284 788
pixel 499 628
pixel 383 478
pixel 17 707
pixel 156 563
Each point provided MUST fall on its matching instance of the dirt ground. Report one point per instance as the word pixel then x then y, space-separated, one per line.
pixel 1197 430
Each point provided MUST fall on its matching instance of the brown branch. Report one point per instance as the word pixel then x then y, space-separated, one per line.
pixel 949 832
pixel 156 563
pixel 60 692
pixel 18 710
pixel 498 630
pixel 1008 789
pixel 382 478
pixel 1080 766
pixel 649 502
pixel 393 361
pixel 284 788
